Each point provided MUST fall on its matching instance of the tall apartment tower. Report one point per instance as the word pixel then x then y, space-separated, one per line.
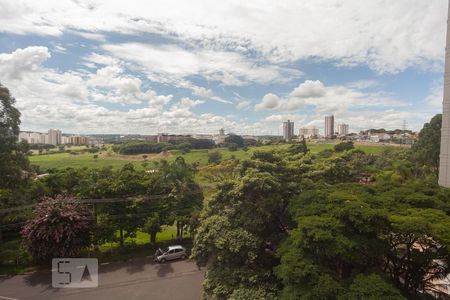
pixel 342 129
pixel 288 130
pixel 329 126
pixel 54 137
pixel 444 165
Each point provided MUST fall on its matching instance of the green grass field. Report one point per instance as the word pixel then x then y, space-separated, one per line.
pixel 66 160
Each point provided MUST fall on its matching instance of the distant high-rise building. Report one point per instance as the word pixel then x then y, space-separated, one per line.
pixel 342 129
pixel 329 126
pixel 288 130
pixel 444 163
pixel 54 137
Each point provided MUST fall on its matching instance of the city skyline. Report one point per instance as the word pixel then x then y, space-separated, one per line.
pixel 182 70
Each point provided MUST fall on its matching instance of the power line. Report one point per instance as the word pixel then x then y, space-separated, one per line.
pixel 101 200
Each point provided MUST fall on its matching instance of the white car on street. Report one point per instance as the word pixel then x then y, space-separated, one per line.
pixel 170 253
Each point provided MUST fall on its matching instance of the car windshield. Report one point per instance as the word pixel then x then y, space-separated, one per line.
pixel 165 250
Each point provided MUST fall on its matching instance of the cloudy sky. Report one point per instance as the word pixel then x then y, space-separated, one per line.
pixel 196 66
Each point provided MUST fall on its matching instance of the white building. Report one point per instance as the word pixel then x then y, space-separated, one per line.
pixel 382 137
pixel 54 137
pixel 308 132
pixel 33 137
pixel 288 130
pixel 444 162
pixel 342 129
pixel 329 126
pixel 220 138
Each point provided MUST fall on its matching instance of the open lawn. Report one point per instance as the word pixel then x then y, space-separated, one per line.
pixel 66 160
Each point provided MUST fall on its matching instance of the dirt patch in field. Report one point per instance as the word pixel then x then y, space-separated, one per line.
pixel 137 157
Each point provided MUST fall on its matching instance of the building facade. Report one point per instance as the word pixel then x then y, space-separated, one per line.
pixel 342 129
pixel 329 126
pixel 288 130
pixel 54 137
pixel 444 163
pixel 308 132
pixel 78 140
pixel 33 137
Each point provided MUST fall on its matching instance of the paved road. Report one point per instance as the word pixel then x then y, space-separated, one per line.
pixel 140 279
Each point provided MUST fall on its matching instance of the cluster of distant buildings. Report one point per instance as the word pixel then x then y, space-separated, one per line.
pixel 54 137
pixel 342 131
pixel 165 137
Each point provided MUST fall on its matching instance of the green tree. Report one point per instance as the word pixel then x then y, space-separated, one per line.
pixel 152 226
pixel 12 155
pixel 299 148
pixel 242 226
pixel 232 146
pixel 427 148
pixel 236 139
pixel 184 147
pixel 14 164
pixel 371 287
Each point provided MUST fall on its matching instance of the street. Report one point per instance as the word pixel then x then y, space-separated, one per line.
pixel 139 279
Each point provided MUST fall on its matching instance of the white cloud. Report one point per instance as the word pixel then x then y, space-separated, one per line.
pixel 199 90
pixel 202 92
pixel 363 84
pixel 309 89
pixel 435 98
pixel 359 109
pixel 269 101
pixel 279 118
pixel 172 63
pixel 186 102
pixel 91 36
pixel 22 61
pixel 326 99
pixel 73 101
pixel 60 49
pixel 385 36
pixel 243 104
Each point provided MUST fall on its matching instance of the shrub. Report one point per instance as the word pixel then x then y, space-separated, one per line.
pixel 214 157
pixel 341 147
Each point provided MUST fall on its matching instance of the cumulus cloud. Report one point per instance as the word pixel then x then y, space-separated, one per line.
pixel 353 106
pixel 22 62
pixel 269 101
pixel 309 89
pixel 74 102
pixel 326 99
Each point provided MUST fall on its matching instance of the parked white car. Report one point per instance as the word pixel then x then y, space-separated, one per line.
pixel 170 253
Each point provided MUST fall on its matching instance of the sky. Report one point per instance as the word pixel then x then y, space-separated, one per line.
pixel 144 67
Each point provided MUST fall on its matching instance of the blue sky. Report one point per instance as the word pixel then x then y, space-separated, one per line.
pixel 178 67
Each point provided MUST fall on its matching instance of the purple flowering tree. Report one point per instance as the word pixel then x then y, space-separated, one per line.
pixel 61 227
